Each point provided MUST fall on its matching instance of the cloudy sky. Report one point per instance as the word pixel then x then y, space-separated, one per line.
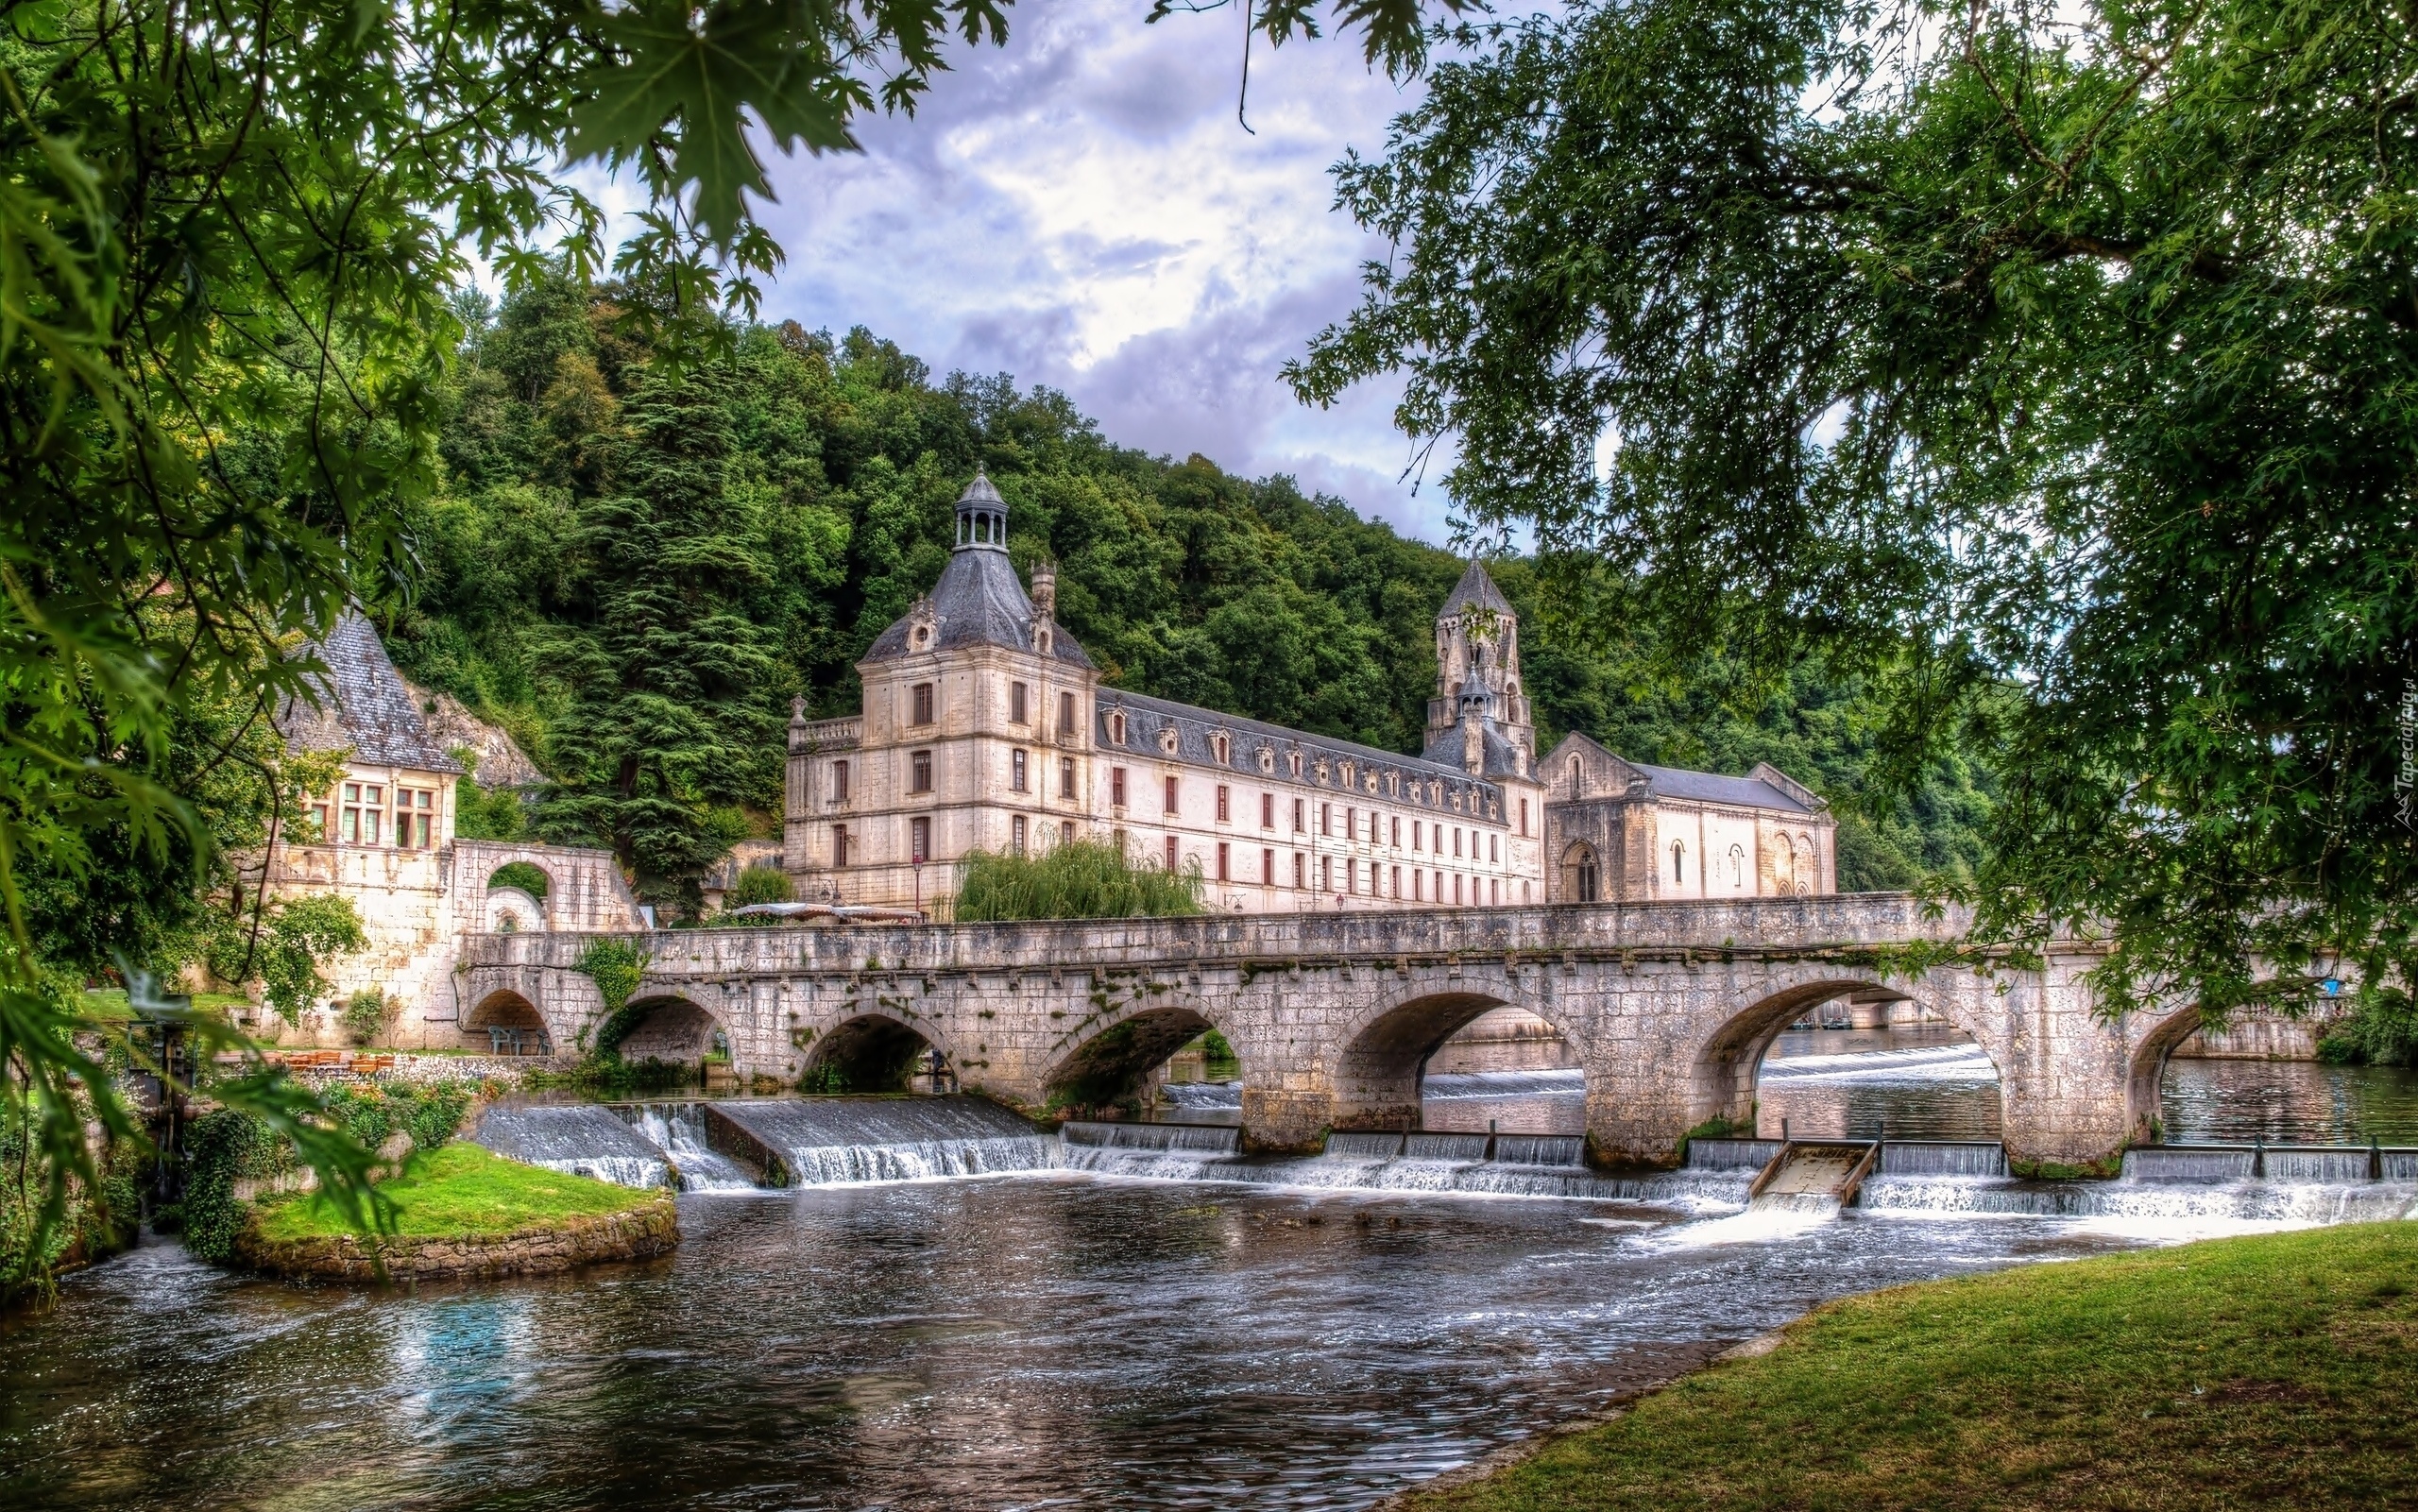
pixel 1080 209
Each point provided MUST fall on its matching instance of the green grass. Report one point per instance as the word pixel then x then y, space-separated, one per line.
pixel 461 1190
pixel 2273 1371
pixel 107 1005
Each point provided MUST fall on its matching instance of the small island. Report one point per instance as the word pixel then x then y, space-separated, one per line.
pixel 464 1213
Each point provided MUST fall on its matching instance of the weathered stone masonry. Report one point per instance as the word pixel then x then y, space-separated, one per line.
pixel 1667 1006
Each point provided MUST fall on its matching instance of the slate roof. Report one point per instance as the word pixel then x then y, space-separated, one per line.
pixel 362 705
pixel 1145 716
pixel 1475 590
pixel 1705 787
pixel 977 601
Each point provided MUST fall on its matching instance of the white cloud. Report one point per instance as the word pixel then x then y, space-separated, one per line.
pixel 1080 209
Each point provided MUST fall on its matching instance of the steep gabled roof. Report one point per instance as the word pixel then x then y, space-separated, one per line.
pixel 1766 787
pixel 362 705
pixel 1475 590
pixel 977 601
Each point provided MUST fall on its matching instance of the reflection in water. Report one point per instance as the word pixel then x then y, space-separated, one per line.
pixel 2288 1102
pixel 977 1345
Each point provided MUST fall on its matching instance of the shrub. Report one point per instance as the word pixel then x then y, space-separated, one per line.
pixel 759 884
pixel 219 1148
pixel 1079 879
pixel 367 1015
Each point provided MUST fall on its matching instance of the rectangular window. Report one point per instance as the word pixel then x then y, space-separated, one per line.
pixel 1016 772
pixel 1396 883
pixel 1326 873
pixel 1297 816
pixel 1117 786
pixel 1016 714
pixel 1456 886
pixel 1225 870
pixel 1416 827
pixel 1223 809
pixel 1170 853
pixel 919 839
pixel 415 829
pixel 1418 885
pixel 839 782
pixel 1267 810
pixel 1065 776
pixel 1015 834
pixel 323 816
pixel 1065 715
pixel 1494 848
pixel 1267 866
pixel 1396 841
pixel 1326 819
pixel 839 846
pixel 920 770
pixel 923 705
pixel 1493 890
pixel 1523 816
pixel 1350 875
pixel 1066 831
pixel 1457 839
pixel 1297 874
pixel 1170 795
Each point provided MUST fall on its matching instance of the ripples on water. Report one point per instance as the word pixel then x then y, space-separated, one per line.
pixel 1070 1340
pixel 1066 1341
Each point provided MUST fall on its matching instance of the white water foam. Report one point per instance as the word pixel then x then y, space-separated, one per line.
pixel 1923 1064
pixel 1566 1084
pixel 678 1129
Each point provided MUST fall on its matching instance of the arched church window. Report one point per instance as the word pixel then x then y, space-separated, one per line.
pixel 1679 862
pixel 1737 866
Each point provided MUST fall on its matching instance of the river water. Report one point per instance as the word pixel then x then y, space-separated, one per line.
pixel 1050 1338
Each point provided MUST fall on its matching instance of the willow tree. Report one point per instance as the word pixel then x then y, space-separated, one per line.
pixel 2061 362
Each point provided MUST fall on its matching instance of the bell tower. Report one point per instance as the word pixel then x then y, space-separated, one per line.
pixel 1477 665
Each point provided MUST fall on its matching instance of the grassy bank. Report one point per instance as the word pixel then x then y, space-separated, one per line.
pixel 462 1191
pixel 2275 1371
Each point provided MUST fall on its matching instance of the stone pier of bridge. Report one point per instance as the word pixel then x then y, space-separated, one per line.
pixel 1668 1008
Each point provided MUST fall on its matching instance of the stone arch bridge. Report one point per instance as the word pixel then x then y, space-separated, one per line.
pixel 1667 1006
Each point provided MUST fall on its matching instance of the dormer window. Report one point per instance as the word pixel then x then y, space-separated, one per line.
pixel 1220 747
pixel 1295 761
pixel 1169 738
pixel 1116 727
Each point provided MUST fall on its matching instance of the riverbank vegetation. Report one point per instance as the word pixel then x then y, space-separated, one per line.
pixel 2271 1371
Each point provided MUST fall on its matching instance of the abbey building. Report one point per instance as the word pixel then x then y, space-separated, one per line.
pixel 986 727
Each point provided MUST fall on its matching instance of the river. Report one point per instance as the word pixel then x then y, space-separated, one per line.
pixel 1054 1338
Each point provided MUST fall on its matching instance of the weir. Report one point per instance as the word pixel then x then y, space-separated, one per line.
pixel 583 1139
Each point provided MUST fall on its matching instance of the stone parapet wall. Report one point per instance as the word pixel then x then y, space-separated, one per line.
pixel 637 1234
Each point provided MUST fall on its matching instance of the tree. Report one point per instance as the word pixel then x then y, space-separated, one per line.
pixel 2052 367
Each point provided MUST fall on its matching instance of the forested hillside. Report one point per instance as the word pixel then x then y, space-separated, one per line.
pixel 635 570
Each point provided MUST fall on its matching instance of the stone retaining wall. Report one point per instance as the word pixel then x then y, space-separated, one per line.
pixel 635 1234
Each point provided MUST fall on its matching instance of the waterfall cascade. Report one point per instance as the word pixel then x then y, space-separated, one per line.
pixel 841 1141
pixel 678 1129
pixel 581 1138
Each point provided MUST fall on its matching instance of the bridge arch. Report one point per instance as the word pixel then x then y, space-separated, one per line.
pixel 871 1052
pixel 1105 1067
pixel 668 1027
pixel 1729 1060
pixel 1381 1066
pixel 2145 1083
pixel 506 1009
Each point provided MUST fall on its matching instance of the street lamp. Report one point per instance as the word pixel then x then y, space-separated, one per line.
pixel 916 865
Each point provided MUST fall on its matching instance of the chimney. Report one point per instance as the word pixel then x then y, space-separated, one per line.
pixel 1044 590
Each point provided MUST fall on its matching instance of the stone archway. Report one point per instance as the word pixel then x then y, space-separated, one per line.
pixel 1380 1067
pixel 868 1053
pixel 1728 1062
pixel 1582 873
pixel 667 1029
pixel 507 1022
pixel 2144 1089
pixel 1103 1069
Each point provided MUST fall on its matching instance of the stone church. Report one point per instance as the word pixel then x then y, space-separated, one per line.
pixel 985 726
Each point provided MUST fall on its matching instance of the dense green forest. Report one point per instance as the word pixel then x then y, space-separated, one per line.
pixel 635 570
